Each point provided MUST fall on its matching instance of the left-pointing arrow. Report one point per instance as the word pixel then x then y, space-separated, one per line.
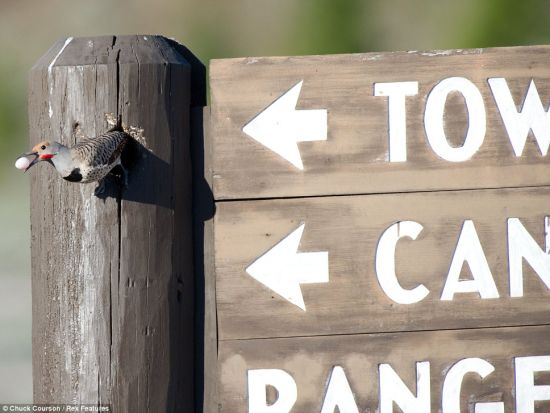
pixel 283 268
pixel 281 126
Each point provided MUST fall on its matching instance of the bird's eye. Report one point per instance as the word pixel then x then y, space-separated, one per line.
pixel 43 147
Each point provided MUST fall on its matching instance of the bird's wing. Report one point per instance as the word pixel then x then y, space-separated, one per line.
pixel 101 150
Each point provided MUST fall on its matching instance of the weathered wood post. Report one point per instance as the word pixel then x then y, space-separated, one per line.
pixel 112 278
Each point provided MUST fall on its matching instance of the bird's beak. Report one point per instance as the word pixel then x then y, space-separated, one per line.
pixel 34 161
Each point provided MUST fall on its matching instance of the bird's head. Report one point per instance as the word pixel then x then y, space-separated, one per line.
pixel 44 151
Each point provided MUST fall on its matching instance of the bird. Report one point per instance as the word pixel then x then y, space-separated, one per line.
pixel 89 160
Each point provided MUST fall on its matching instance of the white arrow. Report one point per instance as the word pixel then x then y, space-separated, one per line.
pixel 283 268
pixel 280 126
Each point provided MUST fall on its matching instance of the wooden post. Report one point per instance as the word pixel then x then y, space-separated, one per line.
pixel 112 278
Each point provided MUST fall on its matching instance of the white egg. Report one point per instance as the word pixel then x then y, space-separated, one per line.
pixel 22 163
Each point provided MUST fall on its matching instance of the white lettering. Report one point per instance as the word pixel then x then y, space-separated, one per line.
pixel 434 119
pixel 521 245
pixel 453 381
pixel 532 116
pixel 385 263
pixel 258 380
pixel 339 394
pixel 397 115
pixel 392 389
pixel 527 393
pixel 489 407
pixel 469 249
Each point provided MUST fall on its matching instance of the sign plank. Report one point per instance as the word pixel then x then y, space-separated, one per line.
pixel 321 125
pixel 505 356
pixel 266 250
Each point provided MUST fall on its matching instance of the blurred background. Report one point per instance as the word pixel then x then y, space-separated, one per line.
pixel 211 29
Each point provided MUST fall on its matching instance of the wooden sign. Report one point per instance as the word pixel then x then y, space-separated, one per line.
pixel 380 241
pixel 473 370
pixel 395 262
pixel 372 123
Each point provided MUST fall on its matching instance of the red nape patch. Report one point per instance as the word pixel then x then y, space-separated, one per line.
pixel 46 156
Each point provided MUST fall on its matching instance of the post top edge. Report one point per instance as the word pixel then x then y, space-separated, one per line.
pixel 123 49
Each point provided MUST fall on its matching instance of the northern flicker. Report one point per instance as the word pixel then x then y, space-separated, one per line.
pixel 87 161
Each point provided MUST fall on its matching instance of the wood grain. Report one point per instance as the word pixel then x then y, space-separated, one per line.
pixel 354 158
pixel 113 277
pixel 309 360
pixel 349 227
